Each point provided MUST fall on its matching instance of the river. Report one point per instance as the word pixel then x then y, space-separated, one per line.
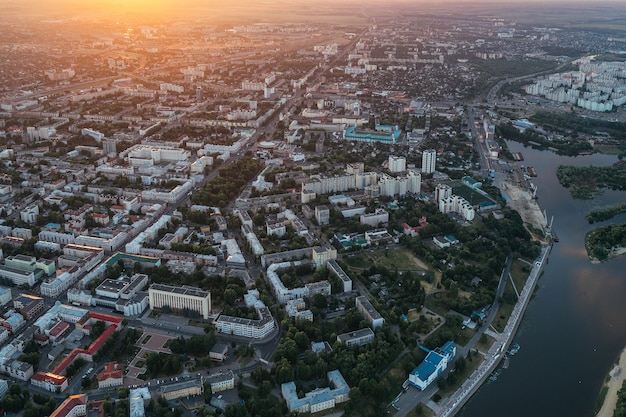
pixel 575 325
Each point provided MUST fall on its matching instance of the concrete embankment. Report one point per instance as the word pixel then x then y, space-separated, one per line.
pixel 453 404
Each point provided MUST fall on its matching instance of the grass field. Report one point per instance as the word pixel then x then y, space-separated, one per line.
pixel 402 259
pixel 520 272
pixel 462 190
pixel 504 311
pixel 610 149
pixel 485 344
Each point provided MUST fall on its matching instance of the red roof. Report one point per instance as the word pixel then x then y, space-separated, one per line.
pixel 95 345
pixel 49 378
pixel 68 405
pixel 59 328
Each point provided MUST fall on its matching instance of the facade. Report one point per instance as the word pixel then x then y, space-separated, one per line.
pixel 357 338
pixel 182 389
pixel 322 215
pixel 368 312
pixel 179 299
pixel 397 163
pixel 111 376
pixel 5 295
pixel 429 158
pixel 222 381
pixel 433 365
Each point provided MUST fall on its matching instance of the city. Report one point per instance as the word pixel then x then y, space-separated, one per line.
pixel 280 210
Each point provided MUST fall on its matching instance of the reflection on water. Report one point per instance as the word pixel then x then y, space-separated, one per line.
pixel 575 326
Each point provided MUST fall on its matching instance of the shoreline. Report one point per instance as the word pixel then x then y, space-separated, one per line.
pixel 613 254
pixel 616 378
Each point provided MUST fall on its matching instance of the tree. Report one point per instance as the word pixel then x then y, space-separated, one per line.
pixel 230 296
pixel 319 301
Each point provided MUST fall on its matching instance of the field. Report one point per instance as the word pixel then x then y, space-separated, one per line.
pixel 402 259
pixel 462 190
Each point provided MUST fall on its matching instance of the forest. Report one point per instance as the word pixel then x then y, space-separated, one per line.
pixel 586 182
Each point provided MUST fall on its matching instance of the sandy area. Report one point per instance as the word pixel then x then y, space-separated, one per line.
pixel 617 375
pixel 521 201
pixel 615 252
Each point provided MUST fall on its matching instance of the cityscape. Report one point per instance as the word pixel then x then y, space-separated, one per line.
pixel 279 209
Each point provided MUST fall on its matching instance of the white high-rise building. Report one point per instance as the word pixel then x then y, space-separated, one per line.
pixel 429 157
pixel 397 163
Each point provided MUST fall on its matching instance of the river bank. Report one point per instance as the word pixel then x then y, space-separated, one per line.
pixel 615 379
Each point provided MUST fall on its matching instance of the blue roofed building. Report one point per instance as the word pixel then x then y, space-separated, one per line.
pixel 382 134
pixel 433 365
pixel 319 399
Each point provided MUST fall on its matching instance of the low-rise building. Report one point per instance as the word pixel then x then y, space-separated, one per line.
pixel 73 406
pixel 433 365
pixel 111 376
pixel 221 381
pixel 49 382
pixel 181 389
pixel 319 399
pixel 357 338
pixel 368 312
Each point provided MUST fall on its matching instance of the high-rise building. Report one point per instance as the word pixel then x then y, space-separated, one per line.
pixel 199 96
pixel 397 163
pixel 109 146
pixel 429 157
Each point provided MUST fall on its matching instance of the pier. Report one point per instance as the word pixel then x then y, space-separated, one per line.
pixel 453 404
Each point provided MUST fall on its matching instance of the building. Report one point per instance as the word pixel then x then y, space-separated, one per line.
pixel 357 338
pixel 221 381
pixel 322 215
pixel 368 312
pixel 180 299
pixel 49 381
pixel 28 305
pixel 219 352
pixel 380 216
pixel 111 376
pixel 4 387
pixel 17 369
pixel 73 406
pixel 181 389
pixel 334 267
pixel 397 163
pixel 253 329
pixel 319 399
pixel 429 158
pixel 5 295
pixel 434 364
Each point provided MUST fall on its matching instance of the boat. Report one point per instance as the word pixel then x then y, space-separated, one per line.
pixel 514 349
